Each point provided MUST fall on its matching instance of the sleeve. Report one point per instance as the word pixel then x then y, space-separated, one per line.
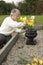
pixel 18 30
pixel 17 24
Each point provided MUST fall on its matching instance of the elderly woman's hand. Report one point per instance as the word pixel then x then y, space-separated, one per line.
pixel 23 30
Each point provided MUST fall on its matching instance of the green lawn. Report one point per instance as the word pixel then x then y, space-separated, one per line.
pixel 38 19
pixel 2 17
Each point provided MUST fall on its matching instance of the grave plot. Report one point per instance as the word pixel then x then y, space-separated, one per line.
pixel 21 54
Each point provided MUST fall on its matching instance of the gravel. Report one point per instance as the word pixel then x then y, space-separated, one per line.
pixel 21 53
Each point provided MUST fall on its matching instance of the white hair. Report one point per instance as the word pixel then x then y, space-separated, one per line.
pixel 14 12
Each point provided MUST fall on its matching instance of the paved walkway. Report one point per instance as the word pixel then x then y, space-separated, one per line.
pixel 22 53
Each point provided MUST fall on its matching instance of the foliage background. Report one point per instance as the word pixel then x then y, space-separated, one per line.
pixel 30 7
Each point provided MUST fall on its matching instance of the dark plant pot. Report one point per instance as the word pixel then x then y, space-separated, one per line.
pixel 31 34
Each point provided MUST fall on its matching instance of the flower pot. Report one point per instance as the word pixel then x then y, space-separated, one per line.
pixel 31 34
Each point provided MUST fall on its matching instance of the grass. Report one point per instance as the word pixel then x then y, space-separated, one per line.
pixel 2 17
pixel 38 19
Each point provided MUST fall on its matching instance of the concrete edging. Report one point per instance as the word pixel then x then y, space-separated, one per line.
pixel 7 47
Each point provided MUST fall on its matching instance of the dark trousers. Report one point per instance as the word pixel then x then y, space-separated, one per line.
pixel 4 39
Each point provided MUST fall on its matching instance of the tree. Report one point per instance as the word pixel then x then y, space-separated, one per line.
pixel 5 8
pixel 39 8
pixel 31 7
pixel 28 8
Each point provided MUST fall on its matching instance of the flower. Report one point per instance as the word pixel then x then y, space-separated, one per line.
pixel 30 23
pixel 32 20
pixel 23 19
pixel 34 63
pixel 40 62
pixel 27 64
pixel 35 60
pixel 27 21
pixel 20 18
pixel 32 17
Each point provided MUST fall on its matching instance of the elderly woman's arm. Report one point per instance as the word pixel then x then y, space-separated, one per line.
pixel 20 30
pixel 16 24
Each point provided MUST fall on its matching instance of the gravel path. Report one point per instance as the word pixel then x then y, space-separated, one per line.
pixel 22 53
